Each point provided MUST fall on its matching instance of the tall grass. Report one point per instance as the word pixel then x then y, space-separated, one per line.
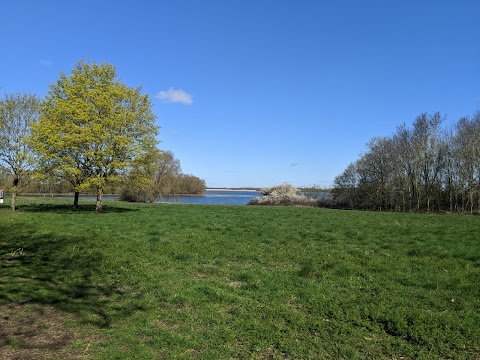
pixel 217 282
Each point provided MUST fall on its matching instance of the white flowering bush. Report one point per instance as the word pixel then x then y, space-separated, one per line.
pixel 285 194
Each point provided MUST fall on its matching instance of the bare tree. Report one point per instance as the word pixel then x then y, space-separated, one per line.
pixel 422 168
pixel 346 186
pixel 428 154
pixel 376 173
pixel 466 153
pixel 406 161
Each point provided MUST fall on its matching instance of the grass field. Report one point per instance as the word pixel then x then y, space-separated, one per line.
pixel 217 282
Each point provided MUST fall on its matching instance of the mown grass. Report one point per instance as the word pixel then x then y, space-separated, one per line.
pixel 219 282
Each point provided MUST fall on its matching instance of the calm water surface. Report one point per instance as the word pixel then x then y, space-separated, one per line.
pixel 213 197
pixel 210 197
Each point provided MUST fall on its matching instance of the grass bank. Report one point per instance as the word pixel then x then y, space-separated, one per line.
pixel 216 282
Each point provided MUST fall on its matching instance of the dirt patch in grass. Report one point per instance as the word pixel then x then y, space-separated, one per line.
pixel 41 332
pixel 163 325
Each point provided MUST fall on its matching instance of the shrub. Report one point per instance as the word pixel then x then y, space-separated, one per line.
pixel 133 194
pixel 188 184
pixel 285 194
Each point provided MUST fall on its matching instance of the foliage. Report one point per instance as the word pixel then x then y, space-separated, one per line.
pixel 158 174
pixel 92 127
pixel 284 194
pixel 423 168
pixel 189 184
pixel 17 114
pixel 3 175
pixel 230 282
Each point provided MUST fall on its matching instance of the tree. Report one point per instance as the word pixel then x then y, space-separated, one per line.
pixel 17 114
pixel 422 168
pixel 466 153
pixel 141 180
pixel 428 151
pixel 157 174
pixel 92 127
pixel 405 168
pixel 165 171
pixel 376 173
pixel 189 184
pixel 345 188
pixel 3 174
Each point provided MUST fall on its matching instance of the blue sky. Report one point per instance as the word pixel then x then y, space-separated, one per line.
pixel 260 92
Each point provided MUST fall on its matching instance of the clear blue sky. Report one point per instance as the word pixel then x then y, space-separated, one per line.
pixel 260 92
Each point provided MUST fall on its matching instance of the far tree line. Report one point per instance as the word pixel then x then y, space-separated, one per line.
pixel 425 167
pixel 91 133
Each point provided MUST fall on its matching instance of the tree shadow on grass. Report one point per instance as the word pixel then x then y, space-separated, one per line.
pixel 70 274
pixel 69 209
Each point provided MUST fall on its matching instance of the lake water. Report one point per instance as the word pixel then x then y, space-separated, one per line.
pixel 210 197
pixel 213 197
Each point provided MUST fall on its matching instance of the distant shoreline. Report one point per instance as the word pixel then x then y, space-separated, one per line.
pixel 225 189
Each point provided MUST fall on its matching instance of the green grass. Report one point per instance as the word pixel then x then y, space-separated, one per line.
pixel 219 282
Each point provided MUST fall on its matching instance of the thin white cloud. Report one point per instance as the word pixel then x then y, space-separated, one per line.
pixel 175 96
pixel 45 62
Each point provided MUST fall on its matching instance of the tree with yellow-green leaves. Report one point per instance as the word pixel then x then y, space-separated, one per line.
pixel 17 114
pixel 92 127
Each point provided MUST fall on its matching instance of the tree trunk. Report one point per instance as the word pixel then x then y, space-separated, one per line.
pixel 75 200
pixel 471 201
pixel 451 197
pixel 14 192
pixel 478 199
pixel 98 208
pixel 14 195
